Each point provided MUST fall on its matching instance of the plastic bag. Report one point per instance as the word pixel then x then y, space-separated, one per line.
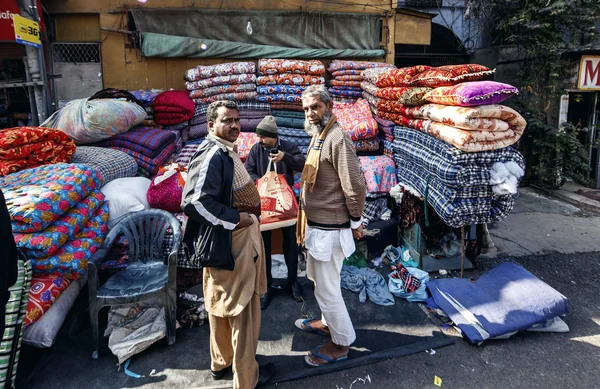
pixel 278 204
pixel 166 190
pixel 398 288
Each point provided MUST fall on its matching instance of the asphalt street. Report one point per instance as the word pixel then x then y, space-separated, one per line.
pixel 558 243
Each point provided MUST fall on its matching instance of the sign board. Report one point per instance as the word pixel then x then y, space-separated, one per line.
pixel 8 9
pixel 589 73
pixel 27 32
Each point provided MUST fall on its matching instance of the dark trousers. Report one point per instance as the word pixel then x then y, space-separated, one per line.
pixel 290 252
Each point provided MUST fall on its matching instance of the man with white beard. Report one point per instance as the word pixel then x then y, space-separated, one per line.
pixel 331 205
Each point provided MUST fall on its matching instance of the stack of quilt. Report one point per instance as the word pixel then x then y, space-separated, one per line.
pixel 464 188
pixel 285 79
pixel 385 135
pixel 345 84
pixel 251 114
pixel 150 147
pixel 58 216
pixel 290 125
pixel 228 81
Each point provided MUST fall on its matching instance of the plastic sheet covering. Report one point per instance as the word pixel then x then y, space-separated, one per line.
pixel 160 45
pixel 314 30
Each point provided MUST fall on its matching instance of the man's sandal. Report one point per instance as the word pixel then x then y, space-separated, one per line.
pixel 304 326
pixel 328 361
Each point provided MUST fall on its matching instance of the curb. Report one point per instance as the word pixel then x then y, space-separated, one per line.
pixel 578 200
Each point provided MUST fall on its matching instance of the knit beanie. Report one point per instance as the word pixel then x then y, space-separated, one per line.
pixel 267 127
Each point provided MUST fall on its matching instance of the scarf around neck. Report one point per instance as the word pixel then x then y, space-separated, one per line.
pixel 309 175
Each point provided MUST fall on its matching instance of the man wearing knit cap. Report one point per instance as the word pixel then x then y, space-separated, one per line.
pixel 288 158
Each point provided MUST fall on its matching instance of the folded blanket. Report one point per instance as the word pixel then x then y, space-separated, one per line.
pixel 349 77
pixel 450 165
pixel 186 154
pixel 296 66
pixel 380 173
pixel 347 72
pixel 173 107
pixel 144 140
pixel 233 79
pixel 45 243
pixel 459 212
pixel 336 82
pixel 280 105
pixel 224 69
pixel 220 89
pixel 199 130
pixel 280 89
pixel 297 140
pixel 371 144
pixel 379 104
pixel 289 122
pixel 356 119
pixel 346 92
pixel 279 97
pixel 44 291
pixel 146 97
pixel 337 65
pixel 506 299
pixel 289 79
pixel 37 197
pixel 150 165
pixel 390 92
pixel 72 258
pixel 383 122
pixel 175 127
pixel 110 164
pixel 235 96
pixel 384 77
pixel 486 127
pixel 25 147
pixel 282 113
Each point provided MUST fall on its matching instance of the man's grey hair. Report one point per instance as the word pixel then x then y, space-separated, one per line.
pixel 317 90
pixel 211 111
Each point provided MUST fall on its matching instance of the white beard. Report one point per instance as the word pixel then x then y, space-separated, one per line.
pixel 315 129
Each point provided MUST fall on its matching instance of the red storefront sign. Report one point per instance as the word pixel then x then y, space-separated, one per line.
pixel 589 73
pixel 7 9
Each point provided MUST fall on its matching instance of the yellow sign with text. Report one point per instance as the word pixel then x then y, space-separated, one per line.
pixel 27 32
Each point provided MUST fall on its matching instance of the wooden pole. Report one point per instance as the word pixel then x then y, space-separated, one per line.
pixel 462 251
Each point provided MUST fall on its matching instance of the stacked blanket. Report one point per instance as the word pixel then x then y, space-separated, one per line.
pixel 291 128
pixel 285 79
pixel 150 147
pixel 463 188
pixel 357 120
pixel 227 81
pixel 25 147
pixel 386 135
pixel 251 114
pixel 172 108
pixel 110 164
pixel 345 84
pixel 58 216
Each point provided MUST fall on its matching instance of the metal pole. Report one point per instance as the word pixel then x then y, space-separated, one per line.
pixel 43 73
pixel 31 95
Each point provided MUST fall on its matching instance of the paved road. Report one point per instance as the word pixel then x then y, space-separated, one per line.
pixel 560 244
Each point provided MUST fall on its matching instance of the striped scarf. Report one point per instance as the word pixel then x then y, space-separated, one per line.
pixel 309 176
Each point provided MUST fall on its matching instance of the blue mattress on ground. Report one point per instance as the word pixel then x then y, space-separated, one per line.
pixel 506 299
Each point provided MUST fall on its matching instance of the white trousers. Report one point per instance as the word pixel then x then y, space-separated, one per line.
pixel 328 291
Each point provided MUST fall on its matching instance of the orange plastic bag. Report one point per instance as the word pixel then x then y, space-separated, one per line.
pixel 278 204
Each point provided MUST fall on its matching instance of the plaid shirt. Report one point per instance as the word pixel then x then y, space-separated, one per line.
pixel 147 141
pixel 111 164
pixel 460 212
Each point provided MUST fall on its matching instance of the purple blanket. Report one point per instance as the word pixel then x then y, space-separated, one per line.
pixel 147 141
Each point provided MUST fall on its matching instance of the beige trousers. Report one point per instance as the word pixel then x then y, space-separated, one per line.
pixel 233 342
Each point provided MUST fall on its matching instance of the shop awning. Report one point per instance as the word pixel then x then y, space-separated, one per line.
pixel 274 34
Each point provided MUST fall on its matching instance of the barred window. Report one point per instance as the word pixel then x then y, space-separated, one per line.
pixel 76 52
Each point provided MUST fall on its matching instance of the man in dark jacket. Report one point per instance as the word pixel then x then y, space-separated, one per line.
pixel 8 259
pixel 289 159
pixel 223 232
